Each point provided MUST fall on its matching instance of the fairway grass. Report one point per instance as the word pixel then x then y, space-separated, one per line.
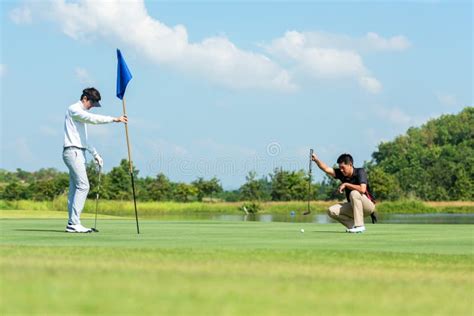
pixel 235 268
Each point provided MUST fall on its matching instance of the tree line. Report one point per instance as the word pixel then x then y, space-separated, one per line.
pixel 431 162
pixel 47 184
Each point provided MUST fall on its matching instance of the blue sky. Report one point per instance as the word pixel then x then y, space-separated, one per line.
pixel 220 89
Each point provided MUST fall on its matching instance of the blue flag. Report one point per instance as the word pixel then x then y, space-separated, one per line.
pixel 123 75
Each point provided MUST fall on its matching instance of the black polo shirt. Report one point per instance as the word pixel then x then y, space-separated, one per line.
pixel 359 176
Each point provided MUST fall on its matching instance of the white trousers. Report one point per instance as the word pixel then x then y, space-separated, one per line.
pixel 75 160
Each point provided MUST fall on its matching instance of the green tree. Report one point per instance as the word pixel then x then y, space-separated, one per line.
pixel 48 189
pixel 24 176
pixel 183 192
pixel 200 185
pixel 46 174
pixel 14 191
pixel 160 188
pixel 384 186
pixel 289 185
pixel 328 189
pixel 229 196
pixel 213 187
pixel 118 181
pixel 93 176
pixel 434 161
pixel 255 189
pixel 142 186
pixel 207 187
pixel 7 176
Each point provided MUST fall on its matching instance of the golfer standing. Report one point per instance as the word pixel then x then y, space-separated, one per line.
pixel 355 184
pixel 74 156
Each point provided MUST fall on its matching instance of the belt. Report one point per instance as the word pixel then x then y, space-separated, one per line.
pixel 73 147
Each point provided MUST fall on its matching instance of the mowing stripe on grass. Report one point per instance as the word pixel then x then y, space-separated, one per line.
pixel 235 268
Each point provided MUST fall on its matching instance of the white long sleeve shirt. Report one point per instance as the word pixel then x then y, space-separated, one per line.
pixel 75 126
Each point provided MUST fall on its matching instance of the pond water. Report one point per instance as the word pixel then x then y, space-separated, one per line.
pixel 437 218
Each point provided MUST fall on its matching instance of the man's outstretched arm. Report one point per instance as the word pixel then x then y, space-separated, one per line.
pixel 328 170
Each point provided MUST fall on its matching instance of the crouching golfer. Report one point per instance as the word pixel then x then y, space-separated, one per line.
pixel 359 203
pixel 74 156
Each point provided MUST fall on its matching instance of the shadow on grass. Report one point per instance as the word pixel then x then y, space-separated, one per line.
pixel 41 230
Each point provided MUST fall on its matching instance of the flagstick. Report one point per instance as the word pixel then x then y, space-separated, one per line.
pixel 130 165
pixel 309 180
pixel 308 211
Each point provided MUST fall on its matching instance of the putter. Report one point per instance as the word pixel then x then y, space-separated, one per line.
pixel 308 211
pixel 94 229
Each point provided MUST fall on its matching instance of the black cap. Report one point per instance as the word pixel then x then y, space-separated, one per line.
pixel 95 104
pixel 93 95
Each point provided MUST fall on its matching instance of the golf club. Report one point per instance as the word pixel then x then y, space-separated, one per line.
pixel 308 211
pixel 94 229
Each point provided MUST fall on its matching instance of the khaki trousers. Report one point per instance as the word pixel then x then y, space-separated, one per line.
pixel 352 213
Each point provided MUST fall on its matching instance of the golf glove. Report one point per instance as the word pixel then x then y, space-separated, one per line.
pixel 98 160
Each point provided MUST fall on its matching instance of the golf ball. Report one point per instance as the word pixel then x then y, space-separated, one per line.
pixel 302 230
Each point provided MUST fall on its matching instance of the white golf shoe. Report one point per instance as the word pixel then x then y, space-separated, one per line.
pixel 78 228
pixel 358 229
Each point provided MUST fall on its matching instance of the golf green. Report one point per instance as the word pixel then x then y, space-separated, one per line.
pixel 235 268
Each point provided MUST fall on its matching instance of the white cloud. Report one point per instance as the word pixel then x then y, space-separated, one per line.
pixel 21 148
pixel 320 62
pixel 48 131
pixel 215 148
pixel 368 43
pixel 447 99
pixel 394 115
pixel 373 137
pixel 370 84
pixel 144 123
pixel 321 57
pixel 101 132
pixel 21 15
pixel 83 76
pixel 3 70
pixel 161 146
pixel 127 23
pixel 373 41
pixel 295 55
pixel 223 104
